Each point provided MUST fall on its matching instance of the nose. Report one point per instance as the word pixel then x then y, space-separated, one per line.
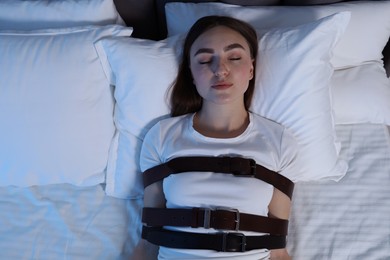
pixel 221 69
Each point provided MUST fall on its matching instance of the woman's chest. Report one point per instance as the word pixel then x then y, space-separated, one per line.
pixel 213 190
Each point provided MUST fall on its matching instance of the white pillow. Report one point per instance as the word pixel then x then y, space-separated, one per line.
pixel 42 14
pixel 143 70
pixel 364 39
pixel 361 94
pixel 293 74
pixel 56 107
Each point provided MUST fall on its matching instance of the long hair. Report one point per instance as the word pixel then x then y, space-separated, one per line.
pixel 184 96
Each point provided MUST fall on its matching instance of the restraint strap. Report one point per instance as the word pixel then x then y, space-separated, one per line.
pixel 220 218
pixel 240 167
pixel 225 242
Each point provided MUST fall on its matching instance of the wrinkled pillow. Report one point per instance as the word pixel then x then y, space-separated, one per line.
pixel 142 71
pixel 56 106
pixel 364 39
pixel 292 89
pixel 43 14
pixel 361 95
pixel 293 75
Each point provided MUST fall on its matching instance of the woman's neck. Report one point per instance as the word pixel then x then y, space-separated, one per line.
pixel 221 122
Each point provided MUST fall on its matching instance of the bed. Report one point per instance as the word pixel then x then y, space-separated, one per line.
pixel 82 81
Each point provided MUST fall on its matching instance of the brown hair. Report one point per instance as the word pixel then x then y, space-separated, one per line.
pixel 184 96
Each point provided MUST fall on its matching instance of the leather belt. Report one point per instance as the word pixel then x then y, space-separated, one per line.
pixel 220 218
pixel 225 242
pixel 240 167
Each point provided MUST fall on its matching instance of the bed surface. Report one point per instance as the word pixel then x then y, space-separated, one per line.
pixel 323 224
pixel 66 221
pixel 348 219
pixel 326 216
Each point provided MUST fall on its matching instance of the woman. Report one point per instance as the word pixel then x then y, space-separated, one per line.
pixel 210 119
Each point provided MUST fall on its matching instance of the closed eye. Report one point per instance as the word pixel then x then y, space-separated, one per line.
pixel 204 62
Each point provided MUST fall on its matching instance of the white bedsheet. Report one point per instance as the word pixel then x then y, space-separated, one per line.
pixel 337 221
pixel 349 219
pixel 66 222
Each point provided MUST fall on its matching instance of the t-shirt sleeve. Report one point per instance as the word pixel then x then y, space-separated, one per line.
pixel 150 152
pixel 288 156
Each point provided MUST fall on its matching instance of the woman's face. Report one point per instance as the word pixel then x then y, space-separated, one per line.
pixel 221 66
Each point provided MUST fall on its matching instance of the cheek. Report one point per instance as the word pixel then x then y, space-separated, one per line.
pixel 245 73
pixel 200 75
pixel 194 74
pixel 195 77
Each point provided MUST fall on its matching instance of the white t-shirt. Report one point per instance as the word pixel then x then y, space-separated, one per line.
pixel 265 141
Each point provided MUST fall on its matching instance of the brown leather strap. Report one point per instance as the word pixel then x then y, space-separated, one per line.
pixel 237 166
pixel 221 241
pixel 221 219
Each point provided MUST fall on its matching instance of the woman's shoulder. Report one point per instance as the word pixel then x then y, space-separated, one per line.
pixel 263 122
pixel 172 121
pixel 272 130
pixel 167 124
pixel 283 143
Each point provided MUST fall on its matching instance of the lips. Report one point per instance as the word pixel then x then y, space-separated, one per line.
pixel 222 85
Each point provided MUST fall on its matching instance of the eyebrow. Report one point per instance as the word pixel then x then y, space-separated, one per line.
pixel 227 48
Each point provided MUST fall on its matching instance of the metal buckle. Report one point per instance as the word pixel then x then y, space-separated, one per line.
pixel 206 217
pixel 237 217
pixel 233 242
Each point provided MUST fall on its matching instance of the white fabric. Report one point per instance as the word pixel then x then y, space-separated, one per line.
pixel 344 220
pixel 143 70
pixel 348 219
pixel 62 221
pixel 361 94
pixel 364 39
pixel 56 106
pixel 42 14
pixel 293 74
pixel 268 143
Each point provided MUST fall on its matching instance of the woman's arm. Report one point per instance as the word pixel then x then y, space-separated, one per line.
pixel 279 207
pixel 153 197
